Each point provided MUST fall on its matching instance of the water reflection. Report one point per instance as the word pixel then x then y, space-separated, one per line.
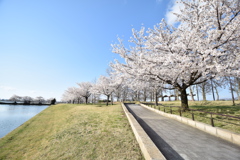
pixel 12 116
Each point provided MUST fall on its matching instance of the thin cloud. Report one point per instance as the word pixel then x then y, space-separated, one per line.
pixel 32 92
pixel 8 88
pixel 173 7
pixel 159 1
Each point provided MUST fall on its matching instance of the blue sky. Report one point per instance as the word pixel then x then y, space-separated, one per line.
pixel 47 46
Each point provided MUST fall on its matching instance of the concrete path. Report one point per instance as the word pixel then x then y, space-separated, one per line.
pixel 178 141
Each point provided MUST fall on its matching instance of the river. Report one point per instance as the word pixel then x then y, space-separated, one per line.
pixel 12 116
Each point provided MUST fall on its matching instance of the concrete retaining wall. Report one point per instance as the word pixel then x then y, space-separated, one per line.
pixel 219 132
pixel 148 148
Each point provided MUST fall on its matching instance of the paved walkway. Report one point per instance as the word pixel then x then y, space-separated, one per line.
pixel 178 141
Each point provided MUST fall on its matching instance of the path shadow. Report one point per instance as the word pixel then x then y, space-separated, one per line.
pixel 162 145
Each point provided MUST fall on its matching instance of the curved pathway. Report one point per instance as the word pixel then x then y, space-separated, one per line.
pixel 178 141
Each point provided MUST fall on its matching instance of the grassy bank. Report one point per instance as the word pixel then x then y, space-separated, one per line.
pixel 68 131
pixel 219 107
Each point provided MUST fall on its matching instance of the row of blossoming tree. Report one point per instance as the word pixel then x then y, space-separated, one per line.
pixel 31 100
pixel 204 45
pixel 104 86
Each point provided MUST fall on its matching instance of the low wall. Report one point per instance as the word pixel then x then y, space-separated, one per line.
pixel 219 132
pixel 148 148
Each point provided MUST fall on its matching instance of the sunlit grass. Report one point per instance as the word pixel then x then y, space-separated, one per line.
pixel 67 131
pixel 219 107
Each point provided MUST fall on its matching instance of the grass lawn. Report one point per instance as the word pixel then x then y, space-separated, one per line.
pixel 70 131
pixel 219 107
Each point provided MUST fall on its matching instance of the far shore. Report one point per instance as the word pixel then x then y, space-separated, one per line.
pixel 24 103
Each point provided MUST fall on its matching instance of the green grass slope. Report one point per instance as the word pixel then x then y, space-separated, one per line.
pixel 70 131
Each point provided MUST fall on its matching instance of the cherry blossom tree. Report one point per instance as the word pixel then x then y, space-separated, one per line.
pixel 27 99
pixel 15 98
pixel 204 45
pixel 106 86
pixel 124 92
pixel 119 93
pixel 40 99
pixel 66 97
pixel 72 95
pixel 84 90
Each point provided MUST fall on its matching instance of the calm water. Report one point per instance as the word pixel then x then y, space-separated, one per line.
pixel 12 116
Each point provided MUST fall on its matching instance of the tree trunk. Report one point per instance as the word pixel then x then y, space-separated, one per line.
pixel 197 92
pixel 112 99
pixel 238 82
pixel 118 98
pixel 191 93
pixel 144 95
pixel 124 96
pixel 203 92
pixel 145 98
pixel 107 99
pixel 212 90
pixel 238 95
pixel 156 98
pixel 176 95
pixel 184 100
pixel 152 96
pixel 216 93
pixel 137 96
pixel 86 100
pixel 230 82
